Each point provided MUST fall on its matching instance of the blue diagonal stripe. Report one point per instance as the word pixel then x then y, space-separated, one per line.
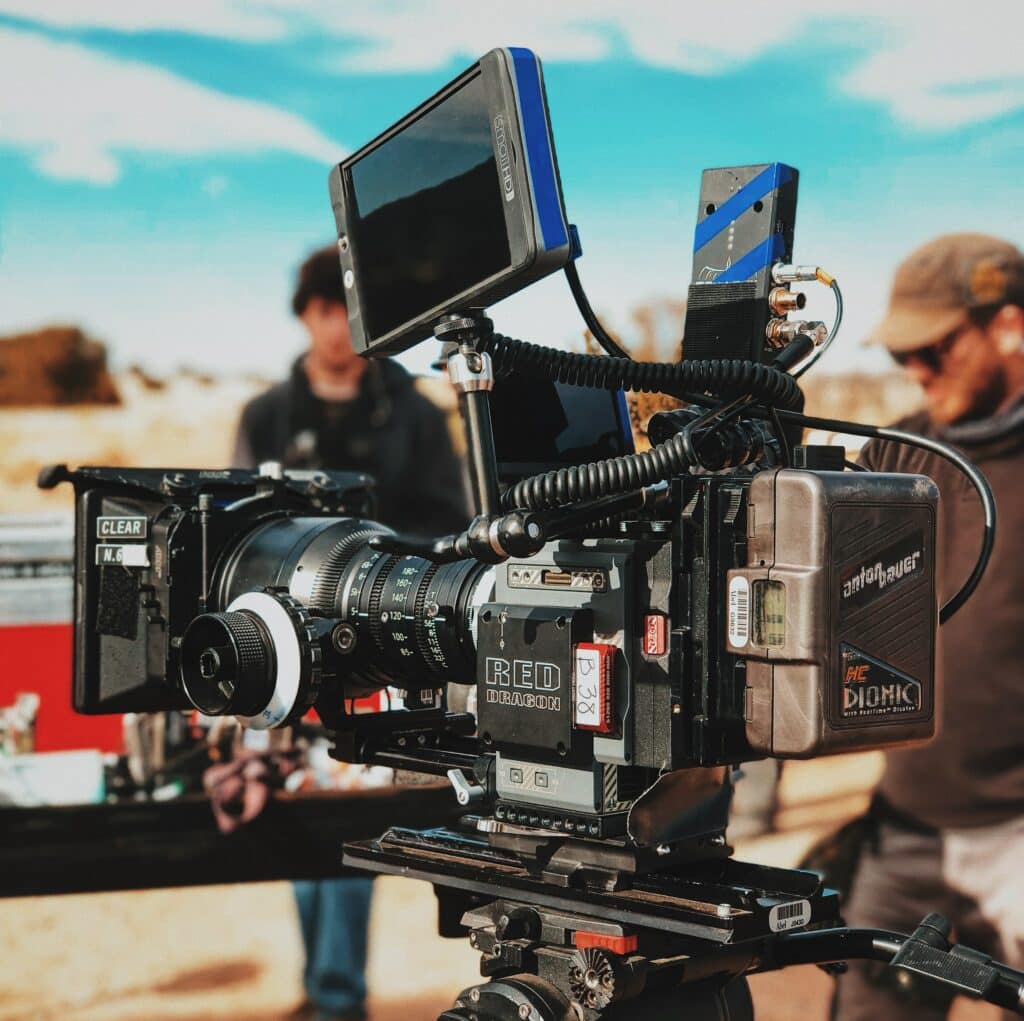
pixel 770 250
pixel 771 177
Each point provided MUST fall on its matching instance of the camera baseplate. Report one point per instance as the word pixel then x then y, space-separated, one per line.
pixel 562 920
pixel 604 941
pixel 714 900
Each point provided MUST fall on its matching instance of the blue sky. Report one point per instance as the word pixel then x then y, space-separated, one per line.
pixel 163 166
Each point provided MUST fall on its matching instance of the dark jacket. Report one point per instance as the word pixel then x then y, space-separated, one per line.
pixel 389 430
pixel 972 774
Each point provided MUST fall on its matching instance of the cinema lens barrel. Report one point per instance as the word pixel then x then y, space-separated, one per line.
pixel 406 621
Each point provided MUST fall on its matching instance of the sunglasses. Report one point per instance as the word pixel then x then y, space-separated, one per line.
pixel 935 354
pixel 931 356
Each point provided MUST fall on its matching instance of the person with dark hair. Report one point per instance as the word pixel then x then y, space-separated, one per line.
pixel 337 410
pixel 946 829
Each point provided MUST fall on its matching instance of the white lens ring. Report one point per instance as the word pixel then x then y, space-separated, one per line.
pixel 287 653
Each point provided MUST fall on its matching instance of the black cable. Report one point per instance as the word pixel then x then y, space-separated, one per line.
pixel 727 378
pixel 741 381
pixel 780 435
pixel 601 335
pixel 716 418
pixel 947 453
pixel 854 467
pixel 598 479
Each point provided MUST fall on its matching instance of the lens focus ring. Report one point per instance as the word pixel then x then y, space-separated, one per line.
pixel 227 663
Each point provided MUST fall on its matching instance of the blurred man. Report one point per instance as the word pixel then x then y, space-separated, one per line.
pixel 949 816
pixel 337 410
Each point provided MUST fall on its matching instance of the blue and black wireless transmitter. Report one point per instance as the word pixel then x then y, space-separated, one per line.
pixel 745 226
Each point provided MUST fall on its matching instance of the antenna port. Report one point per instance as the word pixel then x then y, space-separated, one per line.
pixel 783 300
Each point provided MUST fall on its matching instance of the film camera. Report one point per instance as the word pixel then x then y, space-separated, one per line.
pixel 633 624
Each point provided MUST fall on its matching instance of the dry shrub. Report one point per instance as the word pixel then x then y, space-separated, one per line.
pixel 57 365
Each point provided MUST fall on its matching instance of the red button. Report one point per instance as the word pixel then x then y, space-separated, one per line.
pixel 616 944
pixel 655 634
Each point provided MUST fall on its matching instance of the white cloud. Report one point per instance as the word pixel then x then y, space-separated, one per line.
pixel 932 68
pixel 683 37
pixel 946 70
pixel 224 18
pixel 77 112
pixel 215 185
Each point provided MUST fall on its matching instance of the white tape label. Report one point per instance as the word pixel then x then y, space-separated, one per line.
pixel 133 554
pixel 739 611
pixel 587 696
pixel 121 527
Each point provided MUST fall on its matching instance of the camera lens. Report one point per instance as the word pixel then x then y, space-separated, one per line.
pixel 417 615
pixel 227 664
pixel 413 620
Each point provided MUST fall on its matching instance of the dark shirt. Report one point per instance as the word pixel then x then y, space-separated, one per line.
pixel 388 430
pixel 972 773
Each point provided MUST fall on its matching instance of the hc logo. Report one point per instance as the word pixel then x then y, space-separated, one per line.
pixel 524 674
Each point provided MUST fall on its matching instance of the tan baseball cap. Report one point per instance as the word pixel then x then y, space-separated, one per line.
pixel 937 285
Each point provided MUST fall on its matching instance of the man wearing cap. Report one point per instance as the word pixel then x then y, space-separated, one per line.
pixel 948 817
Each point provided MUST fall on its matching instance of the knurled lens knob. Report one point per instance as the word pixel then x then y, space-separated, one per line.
pixel 227 664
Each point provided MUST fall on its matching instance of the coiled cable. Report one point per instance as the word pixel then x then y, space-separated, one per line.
pixel 603 478
pixel 765 384
pixel 742 442
pixel 722 377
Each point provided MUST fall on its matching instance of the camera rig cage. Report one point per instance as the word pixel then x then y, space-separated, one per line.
pixel 633 627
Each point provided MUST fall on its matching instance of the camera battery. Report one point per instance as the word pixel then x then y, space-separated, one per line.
pixel 835 612
pixel 593 680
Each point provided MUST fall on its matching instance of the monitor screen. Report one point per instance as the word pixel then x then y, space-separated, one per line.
pixel 565 425
pixel 429 219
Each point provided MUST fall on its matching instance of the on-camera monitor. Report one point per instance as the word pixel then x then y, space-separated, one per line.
pixel 428 203
pixel 455 206
pixel 541 425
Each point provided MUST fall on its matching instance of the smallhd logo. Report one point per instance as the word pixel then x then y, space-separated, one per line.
pixel 503 152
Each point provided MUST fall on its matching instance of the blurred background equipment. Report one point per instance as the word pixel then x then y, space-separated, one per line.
pixel 35 633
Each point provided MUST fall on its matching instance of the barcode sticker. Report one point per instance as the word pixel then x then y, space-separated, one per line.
pixel 739 611
pixel 794 915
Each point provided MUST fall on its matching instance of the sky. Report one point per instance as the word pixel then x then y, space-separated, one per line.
pixel 163 166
